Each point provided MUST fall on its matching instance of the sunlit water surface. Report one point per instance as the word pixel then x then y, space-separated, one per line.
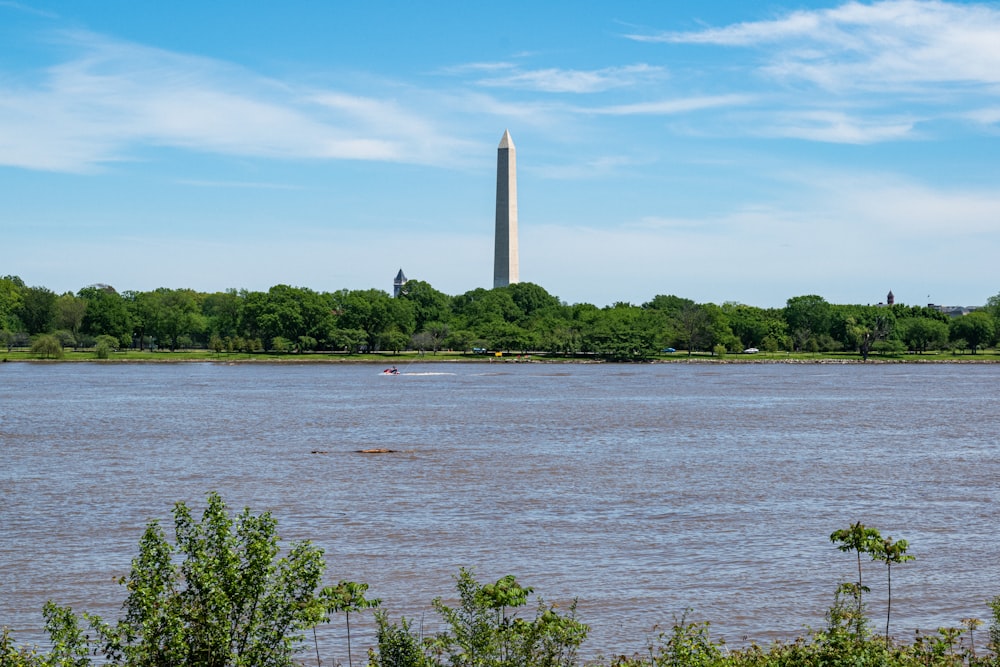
pixel 641 490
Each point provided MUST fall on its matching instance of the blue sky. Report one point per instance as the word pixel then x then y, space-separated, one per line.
pixel 720 151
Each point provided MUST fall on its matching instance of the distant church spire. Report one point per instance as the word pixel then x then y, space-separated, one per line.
pixel 505 260
pixel 397 284
pixel 891 299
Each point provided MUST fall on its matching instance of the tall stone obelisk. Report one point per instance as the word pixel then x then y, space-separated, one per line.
pixel 505 248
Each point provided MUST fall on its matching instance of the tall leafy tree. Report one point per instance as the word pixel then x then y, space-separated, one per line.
pixel 144 311
pixel 695 327
pixel 177 314
pixel 807 317
pixel 11 296
pixel 107 313
pixel 37 310
pixel 429 305
pixel 622 332
pixel 867 325
pixel 70 310
pixel 218 596
pixel 480 308
pixel 222 313
pixel 751 325
pixel 530 298
pixel 922 333
pixel 375 313
pixel 976 329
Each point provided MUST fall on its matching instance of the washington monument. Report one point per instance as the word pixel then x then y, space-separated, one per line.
pixel 505 247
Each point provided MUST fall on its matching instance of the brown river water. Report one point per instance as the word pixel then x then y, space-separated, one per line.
pixel 640 490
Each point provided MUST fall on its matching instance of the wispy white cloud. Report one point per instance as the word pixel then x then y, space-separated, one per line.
pixel 554 80
pixel 673 106
pixel 834 127
pixel 598 167
pixel 862 73
pixel 242 185
pixel 510 75
pixel 984 116
pixel 116 97
pixel 21 7
pixel 893 44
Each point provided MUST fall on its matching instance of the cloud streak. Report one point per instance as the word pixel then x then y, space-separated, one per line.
pixel 554 80
pixel 898 44
pixel 116 97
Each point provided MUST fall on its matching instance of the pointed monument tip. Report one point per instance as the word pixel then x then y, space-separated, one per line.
pixel 506 142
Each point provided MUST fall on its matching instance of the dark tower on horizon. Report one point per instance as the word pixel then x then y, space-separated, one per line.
pixel 397 284
pixel 505 260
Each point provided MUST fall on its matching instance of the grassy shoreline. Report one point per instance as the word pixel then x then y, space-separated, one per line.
pixel 397 359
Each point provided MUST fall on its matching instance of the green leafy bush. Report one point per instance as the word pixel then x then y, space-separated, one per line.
pixel 47 346
pixel 219 597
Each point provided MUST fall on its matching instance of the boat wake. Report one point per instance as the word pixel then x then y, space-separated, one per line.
pixel 428 373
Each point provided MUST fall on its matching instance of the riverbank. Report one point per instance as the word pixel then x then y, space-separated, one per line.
pixel 405 358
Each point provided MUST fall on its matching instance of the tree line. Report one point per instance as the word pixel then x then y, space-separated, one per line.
pixel 522 317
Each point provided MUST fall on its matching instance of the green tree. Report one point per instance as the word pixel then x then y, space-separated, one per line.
pixel 220 596
pixel 289 313
pixel 11 295
pixel 749 324
pixel 861 540
pixel 437 333
pixel 481 633
pixel 37 311
pixel 104 345
pixel 669 304
pixel 922 333
pixel 718 333
pixel 622 332
pixel 807 317
pixel 890 553
pixel 993 308
pixel 868 325
pixel 375 313
pixel 347 597
pixel 222 313
pixel 144 311
pixel 530 298
pixel 460 340
pixel 107 313
pixel 479 309
pixel 976 329
pixel 70 310
pixel 398 646
pixel 695 328
pixel 46 346
pixel 429 305
pixel 176 313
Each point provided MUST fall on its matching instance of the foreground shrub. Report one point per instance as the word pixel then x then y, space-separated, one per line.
pixel 219 596
pixel 481 632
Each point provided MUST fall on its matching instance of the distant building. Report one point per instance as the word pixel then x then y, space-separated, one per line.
pixel 952 311
pixel 397 283
pixel 891 299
